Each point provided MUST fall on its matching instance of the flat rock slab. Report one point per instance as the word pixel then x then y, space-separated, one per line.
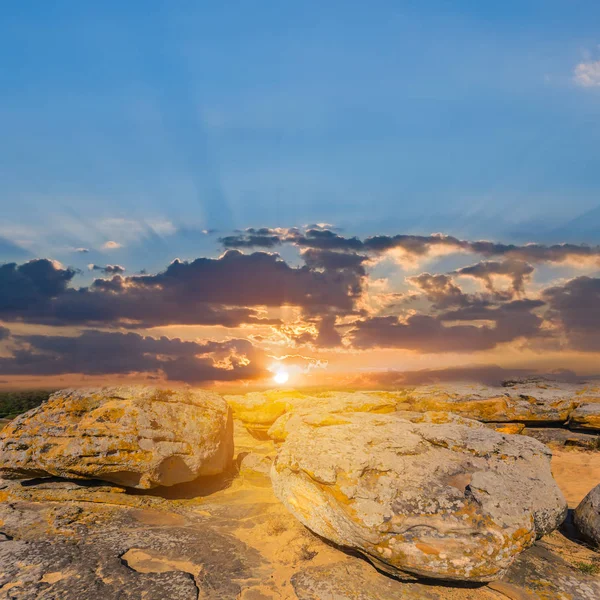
pixel 520 403
pixel 563 437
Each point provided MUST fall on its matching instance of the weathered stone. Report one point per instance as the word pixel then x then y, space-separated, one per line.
pixel 508 428
pixel 116 555
pixel 259 410
pixel 541 574
pixel 519 403
pixel 586 417
pixel 328 405
pixel 452 500
pixel 587 516
pixel 138 437
pixel 563 437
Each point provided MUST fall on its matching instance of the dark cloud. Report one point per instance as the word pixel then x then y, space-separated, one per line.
pixel 108 269
pixel 334 261
pixel 111 353
pixel 413 245
pixel 328 336
pixel 4 333
pixel 440 290
pixel 325 239
pixel 517 271
pixel 538 253
pixel 575 308
pixel 31 284
pixel 253 238
pixel 204 292
pixel 429 334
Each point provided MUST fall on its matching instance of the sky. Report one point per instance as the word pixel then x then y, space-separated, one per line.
pixel 357 193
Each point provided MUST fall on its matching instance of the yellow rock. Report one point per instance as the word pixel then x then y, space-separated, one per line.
pixel 139 437
pixel 525 404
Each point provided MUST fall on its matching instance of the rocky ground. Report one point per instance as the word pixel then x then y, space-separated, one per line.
pixel 228 536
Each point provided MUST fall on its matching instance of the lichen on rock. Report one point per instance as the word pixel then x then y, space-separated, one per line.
pixel 139 437
pixel 420 496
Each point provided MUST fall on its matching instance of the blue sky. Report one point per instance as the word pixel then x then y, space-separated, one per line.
pixel 147 122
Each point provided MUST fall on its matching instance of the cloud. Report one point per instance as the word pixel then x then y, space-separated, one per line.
pixel 430 334
pixel 108 269
pixel 111 353
pixel 587 74
pixel 575 308
pixel 253 238
pixel 414 247
pixel 32 284
pixel 440 290
pixel 81 250
pixel 4 333
pixel 229 291
pixel 334 261
pixel 517 271
pixel 111 245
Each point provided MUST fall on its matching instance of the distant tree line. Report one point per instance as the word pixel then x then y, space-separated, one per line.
pixel 16 402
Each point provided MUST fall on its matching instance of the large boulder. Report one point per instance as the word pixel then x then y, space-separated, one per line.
pixel 424 496
pixel 522 403
pixel 587 516
pixel 327 405
pixel 586 417
pixel 139 437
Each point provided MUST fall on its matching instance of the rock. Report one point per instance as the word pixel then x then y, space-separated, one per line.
pixel 541 574
pixel 452 501
pixel 139 437
pixel 587 516
pixel 305 418
pixel 331 404
pixel 116 556
pixel 253 463
pixel 259 410
pixel 508 428
pixel 586 417
pixel 522 403
pixel 563 437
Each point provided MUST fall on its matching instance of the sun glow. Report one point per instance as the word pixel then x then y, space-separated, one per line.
pixel 281 377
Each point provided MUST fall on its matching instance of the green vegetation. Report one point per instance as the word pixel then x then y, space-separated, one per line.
pixel 588 568
pixel 16 402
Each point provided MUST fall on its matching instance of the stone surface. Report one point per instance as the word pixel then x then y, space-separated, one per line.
pixel 521 403
pixel 121 556
pixel 586 417
pixel 587 516
pixel 453 500
pixel 236 543
pixel 328 405
pixel 259 410
pixel 508 428
pixel 563 437
pixel 139 437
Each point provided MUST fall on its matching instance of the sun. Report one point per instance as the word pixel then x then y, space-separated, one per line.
pixel 281 377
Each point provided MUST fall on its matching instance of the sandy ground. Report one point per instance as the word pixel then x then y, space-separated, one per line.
pixel 576 472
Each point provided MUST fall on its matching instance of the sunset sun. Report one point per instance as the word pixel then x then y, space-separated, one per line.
pixel 281 377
